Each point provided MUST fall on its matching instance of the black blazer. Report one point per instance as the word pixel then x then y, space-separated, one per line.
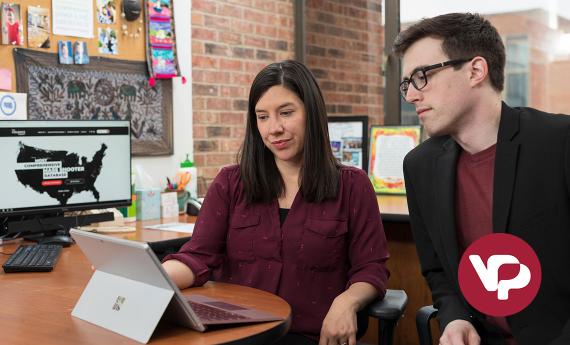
pixel 531 199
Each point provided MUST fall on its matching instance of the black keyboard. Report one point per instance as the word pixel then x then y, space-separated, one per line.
pixel 33 258
pixel 205 312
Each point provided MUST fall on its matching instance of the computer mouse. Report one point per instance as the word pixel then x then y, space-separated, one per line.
pixel 62 240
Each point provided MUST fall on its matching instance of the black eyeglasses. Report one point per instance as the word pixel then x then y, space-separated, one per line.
pixel 418 77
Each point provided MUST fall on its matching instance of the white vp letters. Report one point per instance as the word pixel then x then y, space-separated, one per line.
pixel 490 275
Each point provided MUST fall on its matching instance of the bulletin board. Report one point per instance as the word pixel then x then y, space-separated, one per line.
pixel 129 48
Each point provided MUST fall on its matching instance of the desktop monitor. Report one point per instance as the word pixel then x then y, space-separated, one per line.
pixel 57 166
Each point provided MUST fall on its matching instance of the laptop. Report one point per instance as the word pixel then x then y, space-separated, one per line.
pixel 130 292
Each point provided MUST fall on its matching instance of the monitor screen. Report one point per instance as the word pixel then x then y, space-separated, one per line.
pixel 64 165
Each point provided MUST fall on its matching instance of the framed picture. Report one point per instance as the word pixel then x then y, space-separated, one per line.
pixel 388 147
pixel 104 89
pixel 349 140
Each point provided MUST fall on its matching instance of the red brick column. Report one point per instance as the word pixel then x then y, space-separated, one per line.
pixel 231 42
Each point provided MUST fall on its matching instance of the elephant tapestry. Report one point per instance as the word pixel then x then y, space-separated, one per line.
pixel 104 89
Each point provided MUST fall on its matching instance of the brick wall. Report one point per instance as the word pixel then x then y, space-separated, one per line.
pixel 345 40
pixel 232 41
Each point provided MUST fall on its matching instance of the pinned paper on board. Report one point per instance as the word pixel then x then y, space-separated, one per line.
pixel 106 11
pixel 38 27
pixel 12 29
pixel 5 79
pixel 72 18
pixel 108 43
pixel 13 106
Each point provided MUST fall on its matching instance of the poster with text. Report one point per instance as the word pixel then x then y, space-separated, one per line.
pixel 388 147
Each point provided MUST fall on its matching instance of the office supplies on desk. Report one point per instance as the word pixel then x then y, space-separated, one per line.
pixel 148 204
pixel 126 273
pixel 169 207
pixel 179 227
pixel 33 258
pixel 114 229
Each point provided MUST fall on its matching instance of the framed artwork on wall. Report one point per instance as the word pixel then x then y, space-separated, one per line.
pixel 388 147
pixel 104 89
pixel 349 140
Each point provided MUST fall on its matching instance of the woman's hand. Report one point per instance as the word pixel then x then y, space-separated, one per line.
pixel 339 325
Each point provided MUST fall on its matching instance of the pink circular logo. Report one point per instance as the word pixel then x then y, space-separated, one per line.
pixel 499 274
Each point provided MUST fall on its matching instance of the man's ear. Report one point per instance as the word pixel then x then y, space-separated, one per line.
pixel 479 70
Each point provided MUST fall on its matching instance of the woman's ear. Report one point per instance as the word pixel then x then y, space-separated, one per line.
pixel 478 69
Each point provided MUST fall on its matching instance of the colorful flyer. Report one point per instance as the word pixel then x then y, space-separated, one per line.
pixel 108 43
pixel 388 147
pixel 106 11
pixel 38 27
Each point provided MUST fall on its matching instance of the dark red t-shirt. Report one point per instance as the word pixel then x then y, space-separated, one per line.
pixel 474 208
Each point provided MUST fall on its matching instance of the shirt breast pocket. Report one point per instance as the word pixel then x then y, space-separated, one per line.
pixel 241 236
pixel 323 244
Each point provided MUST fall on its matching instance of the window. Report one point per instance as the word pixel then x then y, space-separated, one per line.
pixel 537 37
pixel 517 71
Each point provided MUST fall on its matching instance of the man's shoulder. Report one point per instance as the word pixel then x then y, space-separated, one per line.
pixel 537 124
pixel 536 115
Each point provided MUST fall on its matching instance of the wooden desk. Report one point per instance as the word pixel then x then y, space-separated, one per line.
pixel 393 208
pixel 36 307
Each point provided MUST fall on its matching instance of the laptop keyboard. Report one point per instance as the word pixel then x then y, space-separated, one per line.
pixel 205 312
pixel 33 258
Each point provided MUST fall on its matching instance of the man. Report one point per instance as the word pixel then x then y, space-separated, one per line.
pixel 486 168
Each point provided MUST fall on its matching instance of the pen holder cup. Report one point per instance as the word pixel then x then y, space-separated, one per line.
pixel 182 196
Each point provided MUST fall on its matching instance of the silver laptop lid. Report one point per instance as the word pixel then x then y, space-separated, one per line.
pixel 135 261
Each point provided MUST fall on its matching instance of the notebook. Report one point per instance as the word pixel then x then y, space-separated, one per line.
pixel 130 292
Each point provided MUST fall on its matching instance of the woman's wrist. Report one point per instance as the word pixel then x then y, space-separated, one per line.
pixel 348 302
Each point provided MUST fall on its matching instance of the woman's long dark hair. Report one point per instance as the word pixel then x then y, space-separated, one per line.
pixel 319 173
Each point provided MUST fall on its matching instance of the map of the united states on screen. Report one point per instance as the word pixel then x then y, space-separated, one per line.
pixel 60 174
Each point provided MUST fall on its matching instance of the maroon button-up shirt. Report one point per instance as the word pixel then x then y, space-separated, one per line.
pixel 321 249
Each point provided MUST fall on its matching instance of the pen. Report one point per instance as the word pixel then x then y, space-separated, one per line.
pixel 169 185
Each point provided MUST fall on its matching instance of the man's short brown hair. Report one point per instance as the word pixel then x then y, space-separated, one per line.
pixel 464 35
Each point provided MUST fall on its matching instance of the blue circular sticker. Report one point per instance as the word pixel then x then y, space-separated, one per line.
pixel 7 105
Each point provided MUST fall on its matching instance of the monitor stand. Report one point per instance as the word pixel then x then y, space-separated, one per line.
pixel 54 229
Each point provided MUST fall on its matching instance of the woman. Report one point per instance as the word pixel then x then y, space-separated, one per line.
pixel 289 219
